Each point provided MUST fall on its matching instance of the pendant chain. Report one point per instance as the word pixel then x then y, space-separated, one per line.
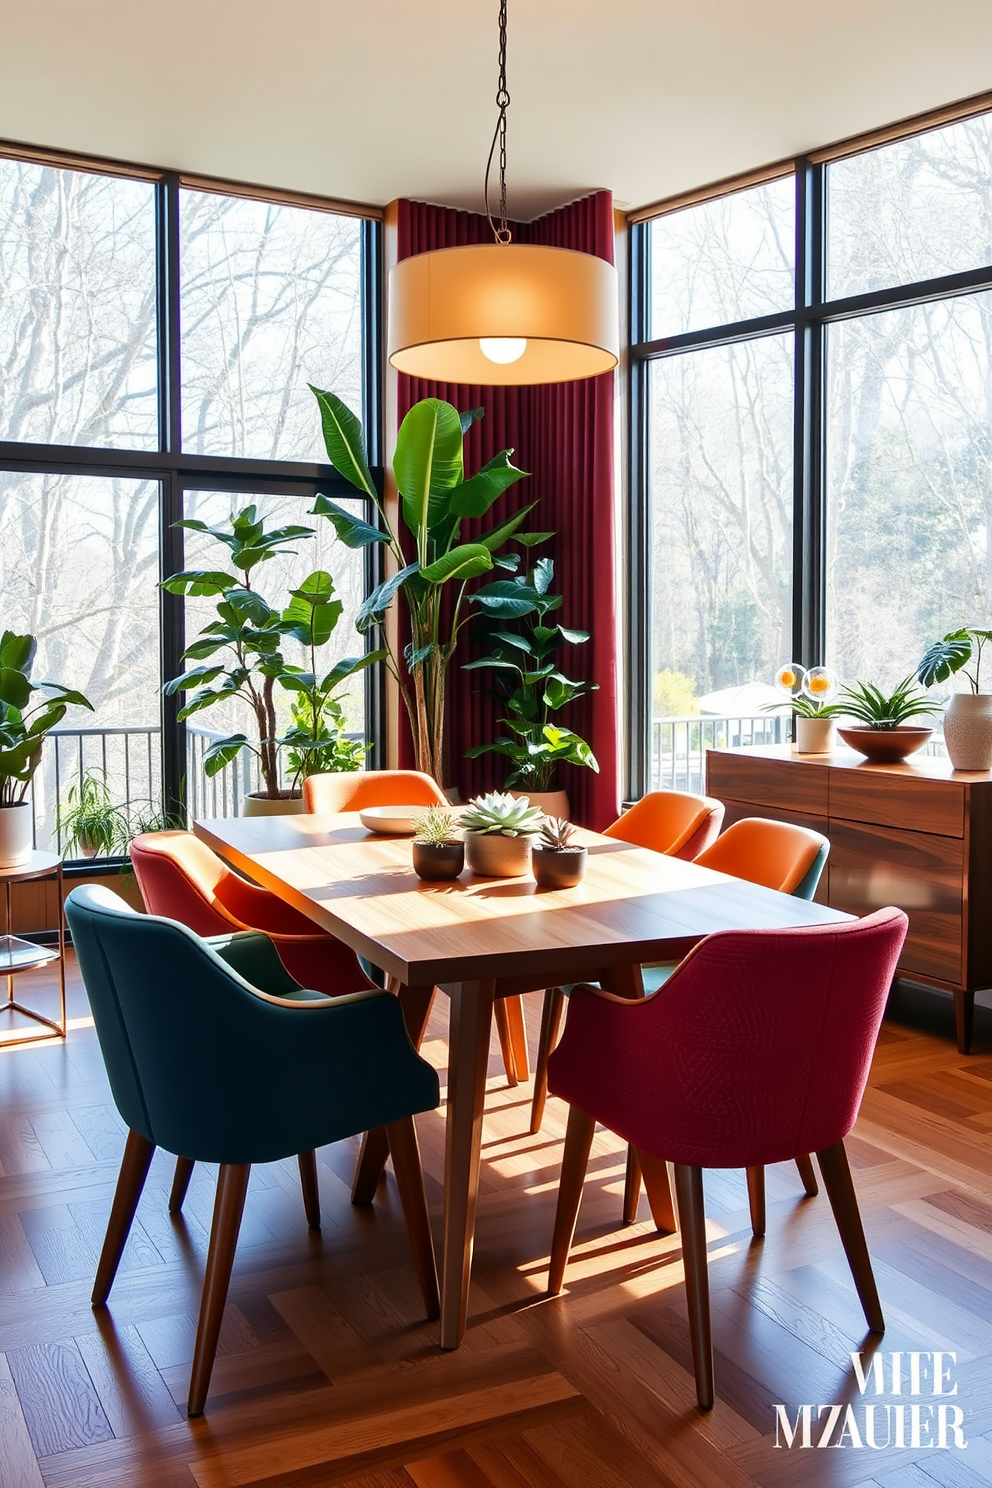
pixel 501 233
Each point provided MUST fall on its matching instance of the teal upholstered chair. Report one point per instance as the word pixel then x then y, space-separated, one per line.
pixel 205 1063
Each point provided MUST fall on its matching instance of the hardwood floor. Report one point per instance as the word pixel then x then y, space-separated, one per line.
pixel 327 1373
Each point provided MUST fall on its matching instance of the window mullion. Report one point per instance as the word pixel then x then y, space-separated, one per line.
pixel 808 619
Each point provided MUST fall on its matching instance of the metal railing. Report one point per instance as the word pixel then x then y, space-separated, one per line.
pixel 679 745
pixel 128 758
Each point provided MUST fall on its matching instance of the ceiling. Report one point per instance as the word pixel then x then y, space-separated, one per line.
pixel 370 101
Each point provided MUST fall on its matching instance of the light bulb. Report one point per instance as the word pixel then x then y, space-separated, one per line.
pixel 503 349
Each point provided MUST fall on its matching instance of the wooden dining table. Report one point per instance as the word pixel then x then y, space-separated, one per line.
pixel 478 938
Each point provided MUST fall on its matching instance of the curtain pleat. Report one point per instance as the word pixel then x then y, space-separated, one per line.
pixel 563 434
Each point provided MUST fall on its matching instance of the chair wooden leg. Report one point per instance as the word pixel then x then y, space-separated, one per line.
pixel 180 1183
pixel 416 1003
pixel 138 1153
pixel 505 1040
pixel 808 1174
pixel 554 1006
pixel 655 1171
pixel 578 1143
pixel 631 1187
pixel 756 1201
pixel 692 1223
pixel 844 1203
pixel 311 1189
pixel 410 1182
pixel 518 1035
pixel 232 1186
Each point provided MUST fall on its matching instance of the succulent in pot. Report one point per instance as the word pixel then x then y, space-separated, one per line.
pixel 556 860
pixel 438 852
pixel 883 731
pixel 499 831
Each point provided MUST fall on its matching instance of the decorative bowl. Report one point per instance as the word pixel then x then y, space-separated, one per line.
pixel 884 746
pixel 391 821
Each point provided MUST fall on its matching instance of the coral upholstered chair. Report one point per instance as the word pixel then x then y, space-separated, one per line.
pixel 354 790
pixel 757 1049
pixel 204 1061
pixel 777 854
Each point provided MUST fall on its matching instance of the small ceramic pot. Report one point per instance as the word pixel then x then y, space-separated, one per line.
pixel 884 746
pixel 492 855
pixel 559 868
pixel 552 803
pixel 435 860
pixel 16 835
pixel 816 735
pixel 280 806
pixel 968 731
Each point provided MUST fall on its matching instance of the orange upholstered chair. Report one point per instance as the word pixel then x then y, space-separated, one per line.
pixel 777 854
pixel 354 790
pixel 676 823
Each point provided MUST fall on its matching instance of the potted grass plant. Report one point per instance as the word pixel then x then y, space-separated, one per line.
pixel 438 851
pixel 884 732
pixel 558 862
pixel 91 821
pixel 499 832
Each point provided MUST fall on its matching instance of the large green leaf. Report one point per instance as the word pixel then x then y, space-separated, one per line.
pixel 313 611
pixel 222 752
pixel 348 666
pixel 353 531
pixel 470 417
pixel 531 539
pixel 507 598
pixel 427 463
pixel 464 562
pixel 474 497
pixel 17 651
pixel 544 572
pixel 343 440
pixel 199 582
pixel 65 695
pixel 375 606
pixel 15 688
pixel 195 677
pixel 499 535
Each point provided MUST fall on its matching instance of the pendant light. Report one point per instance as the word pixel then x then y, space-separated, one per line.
pixel 503 313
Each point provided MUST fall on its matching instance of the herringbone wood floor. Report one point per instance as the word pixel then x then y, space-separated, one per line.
pixel 327 1374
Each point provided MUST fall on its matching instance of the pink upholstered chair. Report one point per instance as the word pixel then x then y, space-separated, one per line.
pixel 756 1050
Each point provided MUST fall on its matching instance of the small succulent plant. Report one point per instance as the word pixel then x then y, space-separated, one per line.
pixel 497 814
pixel 437 827
pixel 557 834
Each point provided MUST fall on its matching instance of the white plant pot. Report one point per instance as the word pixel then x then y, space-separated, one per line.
pixel 491 855
pixel 816 735
pixel 552 803
pixel 16 835
pixel 283 806
pixel 968 730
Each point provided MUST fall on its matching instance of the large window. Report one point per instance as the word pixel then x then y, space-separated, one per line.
pixel 812 406
pixel 156 342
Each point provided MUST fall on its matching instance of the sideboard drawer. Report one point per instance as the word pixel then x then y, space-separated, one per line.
pixel 897 801
pixel 788 784
pixel 873 866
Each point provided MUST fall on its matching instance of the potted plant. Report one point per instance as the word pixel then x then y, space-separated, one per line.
pixel 249 633
pixel 438 851
pixel 558 862
pixel 881 732
pixel 323 747
pixel 499 830
pixel 89 819
pixel 28 712
pixel 523 656
pixel 968 717
pixel 424 545
pixel 810 693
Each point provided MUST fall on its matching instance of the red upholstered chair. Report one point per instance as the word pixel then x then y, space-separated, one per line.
pixel 756 1050
pixel 676 823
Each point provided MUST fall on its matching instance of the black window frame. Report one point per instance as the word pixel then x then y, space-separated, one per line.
pixel 807 319
pixel 178 472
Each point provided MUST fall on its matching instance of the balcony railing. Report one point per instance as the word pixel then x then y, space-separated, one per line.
pixel 679 745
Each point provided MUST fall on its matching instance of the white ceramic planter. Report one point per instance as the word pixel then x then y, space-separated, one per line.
pixel 262 806
pixel 968 730
pixel 816 735
pixel 16 835
pixel 552 803
pixel 492 855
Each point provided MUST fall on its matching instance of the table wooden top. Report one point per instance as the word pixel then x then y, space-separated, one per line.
pixel 914 767
pixel 632 906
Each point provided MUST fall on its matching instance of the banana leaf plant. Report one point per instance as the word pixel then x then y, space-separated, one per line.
pixel 523 657
pixel 248 635
pixel 28 712
pixel 425 547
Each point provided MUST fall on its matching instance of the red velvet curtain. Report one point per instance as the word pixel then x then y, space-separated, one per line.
pixel 563 434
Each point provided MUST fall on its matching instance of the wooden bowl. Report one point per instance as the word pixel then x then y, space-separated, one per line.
pixel 884 746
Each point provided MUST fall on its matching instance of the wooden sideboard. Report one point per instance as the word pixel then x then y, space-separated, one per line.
pixel 917 834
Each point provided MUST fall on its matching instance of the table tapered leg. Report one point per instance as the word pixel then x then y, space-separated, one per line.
pixel 416 1003
pixel 471 1025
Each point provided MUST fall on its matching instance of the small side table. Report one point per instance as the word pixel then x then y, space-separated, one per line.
pixel 23 955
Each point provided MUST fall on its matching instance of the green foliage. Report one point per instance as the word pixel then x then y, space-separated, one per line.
pixel 867 704
pixel 556 834
pixel 90 820
pixel 28 712
pixel 532 687
pixel 674 694
pixel 425 545
pixel 318 746
pixel 952 654
pixel 437 827
pixel 497 814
